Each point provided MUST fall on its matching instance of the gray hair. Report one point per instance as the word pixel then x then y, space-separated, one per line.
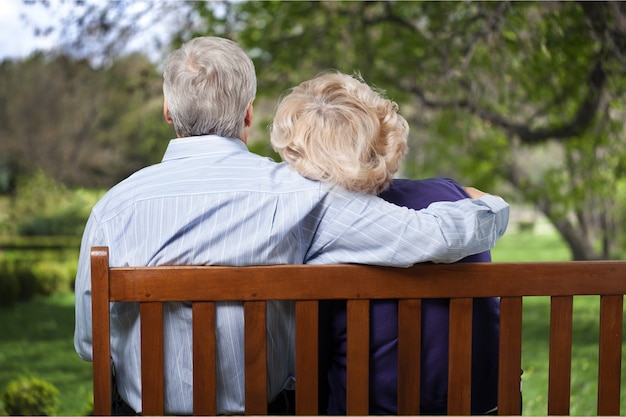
pixel 208 84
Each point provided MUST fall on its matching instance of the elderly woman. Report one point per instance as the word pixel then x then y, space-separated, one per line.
pixel 337 129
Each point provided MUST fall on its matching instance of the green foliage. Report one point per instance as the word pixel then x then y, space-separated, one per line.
pixel 265 149
pixel 81 126
pixel 18 278
pixel 52 276
pixel 9 286
pixel 30 396
pixel 68 221
pixel 22 278
pixel 132 122
pixel 88 410
pixel 42 206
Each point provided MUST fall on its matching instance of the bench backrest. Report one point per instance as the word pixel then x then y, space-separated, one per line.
pixel 306 285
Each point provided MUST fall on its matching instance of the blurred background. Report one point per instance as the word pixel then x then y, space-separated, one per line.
pixel 526 100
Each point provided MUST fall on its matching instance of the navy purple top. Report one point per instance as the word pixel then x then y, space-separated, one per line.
pixel 414 194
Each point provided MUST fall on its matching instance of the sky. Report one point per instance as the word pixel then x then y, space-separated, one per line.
pixel 18 22
pixel 17 39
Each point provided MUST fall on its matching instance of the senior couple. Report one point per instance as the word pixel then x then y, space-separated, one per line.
pixel 212 202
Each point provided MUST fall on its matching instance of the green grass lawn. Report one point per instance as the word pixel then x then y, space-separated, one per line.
pixel 527 247
pixel 37 338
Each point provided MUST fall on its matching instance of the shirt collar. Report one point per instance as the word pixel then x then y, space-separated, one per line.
pixel 201 145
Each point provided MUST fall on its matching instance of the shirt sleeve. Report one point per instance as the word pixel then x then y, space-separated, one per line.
pixel 82 290
pixel 366 229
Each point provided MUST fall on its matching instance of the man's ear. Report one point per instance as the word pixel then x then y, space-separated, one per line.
pixel 248 119
pixel 247 122
pixel 166 112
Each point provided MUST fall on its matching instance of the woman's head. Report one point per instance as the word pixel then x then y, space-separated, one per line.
pixel 337 129
pixel 208 85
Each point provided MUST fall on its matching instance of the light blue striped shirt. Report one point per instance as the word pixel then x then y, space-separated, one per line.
pixel 212 202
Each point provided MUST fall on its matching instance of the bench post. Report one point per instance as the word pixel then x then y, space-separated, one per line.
pixel 101 344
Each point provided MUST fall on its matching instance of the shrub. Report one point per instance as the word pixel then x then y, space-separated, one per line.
pixel 41 206
pixel 63 222
pixel 23 278
pixel 52 276
pixel 28 282
pixel 88 410
pixel 17 278
pixel 9 286
pixel 30 396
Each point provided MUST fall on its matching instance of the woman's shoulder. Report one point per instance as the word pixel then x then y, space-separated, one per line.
pixel 421 193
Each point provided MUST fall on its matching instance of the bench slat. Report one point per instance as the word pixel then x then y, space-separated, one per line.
pixel 204 378
pixel 311 282
pixel 460 357
pixel 152 380
pixel 357 376
pixel 510 352
pixel 255 328
pixel 560 367
pixel 610 354
pixel 307 358
pixel 409 356
pixel 101 345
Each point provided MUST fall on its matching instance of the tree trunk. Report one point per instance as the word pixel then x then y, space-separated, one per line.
pixel 582 249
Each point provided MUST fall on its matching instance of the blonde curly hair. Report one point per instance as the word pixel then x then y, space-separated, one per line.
pixel 335 128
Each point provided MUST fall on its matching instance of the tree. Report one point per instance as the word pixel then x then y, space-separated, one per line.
pixel 79 125
pixel 526 98
pixel 524 95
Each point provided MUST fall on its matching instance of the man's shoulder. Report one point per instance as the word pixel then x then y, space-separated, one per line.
pixel 256 175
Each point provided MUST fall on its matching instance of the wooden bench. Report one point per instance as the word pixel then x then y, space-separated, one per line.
pixel 151 286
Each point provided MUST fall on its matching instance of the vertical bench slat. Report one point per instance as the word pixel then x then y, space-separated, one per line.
pixel 307 322
pixel 560 367
pixel 409 356
pixel 204 379
pixel 460 357
pixel 357 374
pixel 255 325
pixel 610 354
pixel 510 361
pixel 152 387
pixel 101 344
